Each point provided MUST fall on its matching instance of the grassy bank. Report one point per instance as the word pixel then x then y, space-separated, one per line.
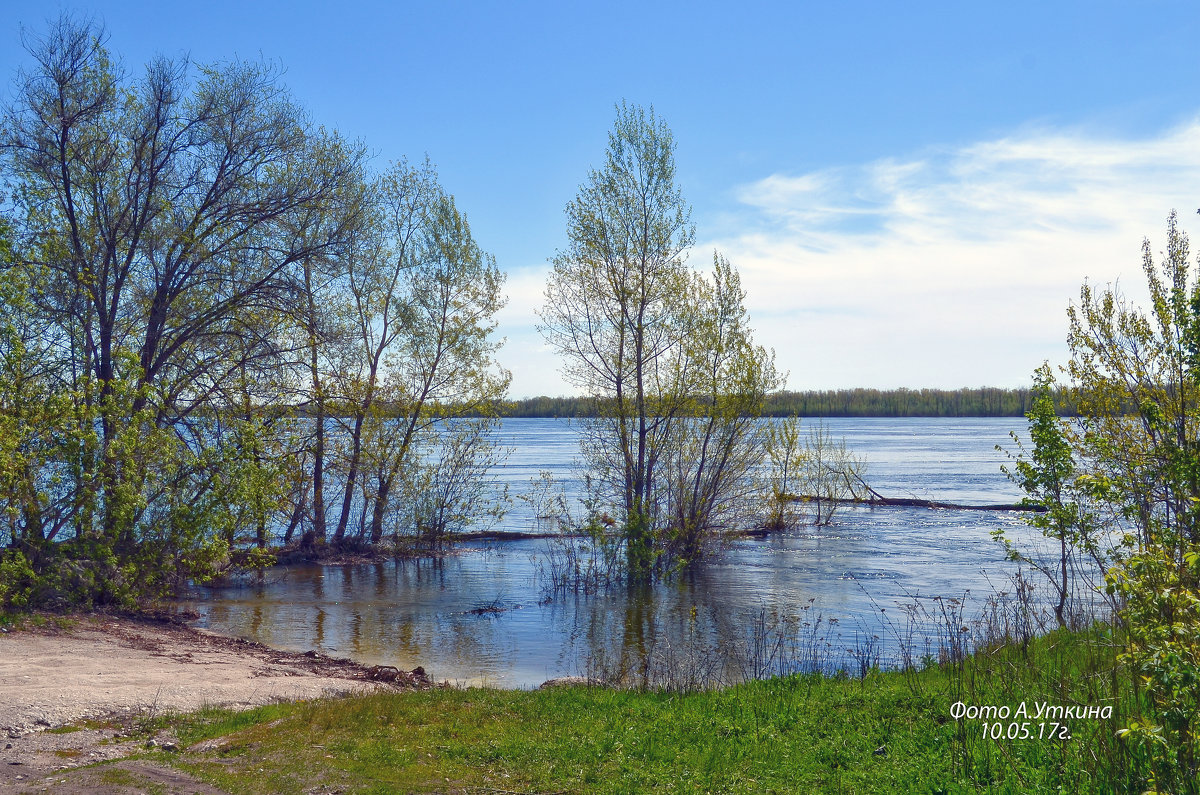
pixel 886 732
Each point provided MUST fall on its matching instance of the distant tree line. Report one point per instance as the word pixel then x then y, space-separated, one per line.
pixel 965 402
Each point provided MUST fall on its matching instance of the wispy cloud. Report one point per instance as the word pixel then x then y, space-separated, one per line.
pixel 954 266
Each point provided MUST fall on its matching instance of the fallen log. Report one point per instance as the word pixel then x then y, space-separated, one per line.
pixel 875 499
pixel 912 502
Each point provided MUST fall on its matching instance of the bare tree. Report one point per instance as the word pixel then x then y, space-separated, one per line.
pixel 814 471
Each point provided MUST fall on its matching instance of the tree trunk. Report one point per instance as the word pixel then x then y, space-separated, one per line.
pixel 351 476
pixel 385 485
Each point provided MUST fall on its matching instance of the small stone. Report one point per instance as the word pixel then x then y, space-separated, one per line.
pixel 152 743
pixel 881 751
pixel 170 747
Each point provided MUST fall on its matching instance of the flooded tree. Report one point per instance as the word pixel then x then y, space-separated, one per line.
pixel 154 216
pixel 709 475
pixel 403 353
pixel 427 304
pixel 665 352
pixel 809 475
pixel 210 310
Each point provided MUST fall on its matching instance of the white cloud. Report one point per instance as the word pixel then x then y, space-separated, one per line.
pixel 953 267
pixel 535 366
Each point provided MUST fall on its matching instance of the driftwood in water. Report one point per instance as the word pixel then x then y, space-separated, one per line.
pixel 874 498
pixel 910 502
pixel 880 501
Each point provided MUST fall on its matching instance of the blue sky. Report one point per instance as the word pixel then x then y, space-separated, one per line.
pixel 913 192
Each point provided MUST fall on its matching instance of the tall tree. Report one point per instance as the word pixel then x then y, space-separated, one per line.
pixel 441 371
pixel 635 328
pixel 612 310
pixel 718 442
pixel 377 283
pixel 400 332
pixel 158 214
pixel 1136 382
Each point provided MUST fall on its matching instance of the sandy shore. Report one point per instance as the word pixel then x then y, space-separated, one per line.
pixel 106 666
pixel 118 669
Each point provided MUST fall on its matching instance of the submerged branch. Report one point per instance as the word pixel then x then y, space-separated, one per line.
pixel 878 500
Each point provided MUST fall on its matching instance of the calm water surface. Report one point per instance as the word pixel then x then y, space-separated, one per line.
pixel 428 613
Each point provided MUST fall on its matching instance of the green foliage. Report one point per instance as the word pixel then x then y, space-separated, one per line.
pixel 710 463
pixel 157 225
pixel 664 355
pixel 18 579
pixel 811 474
pixel 616 309
pixel 1162 615
pixel 1049 477
pixel 1137 387
pixel 196 284
pixel 886 732
pixel 399 345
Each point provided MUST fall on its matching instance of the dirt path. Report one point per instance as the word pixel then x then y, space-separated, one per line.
pixel 115 670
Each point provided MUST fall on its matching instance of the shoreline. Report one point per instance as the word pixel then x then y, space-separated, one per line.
pixel 100 666
pixel 83 690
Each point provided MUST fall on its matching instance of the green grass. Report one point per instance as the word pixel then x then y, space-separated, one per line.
pixel 887 732
pixel 64 730
pixel 130 782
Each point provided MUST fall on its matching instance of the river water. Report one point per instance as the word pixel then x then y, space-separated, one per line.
pixel 867 586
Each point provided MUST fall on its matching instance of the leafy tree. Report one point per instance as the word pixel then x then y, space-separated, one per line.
pixel 1136 383
pixel 709 474
pixel 324 332
pixel 190 258
pixel 614 310
pixel 651 342
pixel 1136 387
pixel 391 344
pixel 160 222
pixel 428 310
pixel 1049 476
